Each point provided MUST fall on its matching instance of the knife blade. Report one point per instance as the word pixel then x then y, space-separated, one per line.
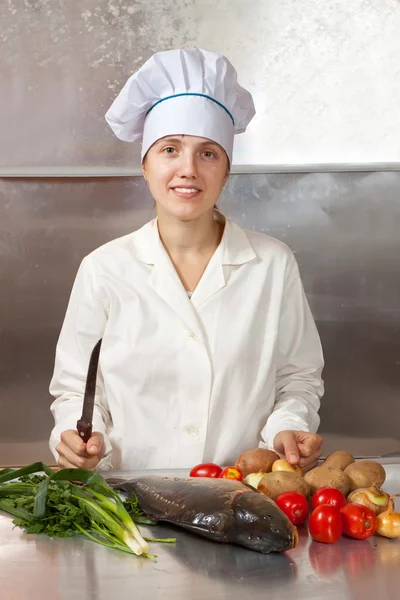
pixel 84 425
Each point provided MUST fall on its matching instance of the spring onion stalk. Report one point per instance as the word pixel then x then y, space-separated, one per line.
pixel 116 507
pixel 37 467
pixel 16 489
pixel 8 507
pixel 100 515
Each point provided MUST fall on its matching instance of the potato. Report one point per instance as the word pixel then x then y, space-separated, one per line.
pixel 364 474
pixel 273 484
pixel 327 477
pixel 258 459
pixel 339 460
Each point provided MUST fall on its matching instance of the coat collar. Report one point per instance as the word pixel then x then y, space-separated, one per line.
pixel 234 248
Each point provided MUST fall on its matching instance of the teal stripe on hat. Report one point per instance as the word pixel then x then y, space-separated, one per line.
pixel 192 94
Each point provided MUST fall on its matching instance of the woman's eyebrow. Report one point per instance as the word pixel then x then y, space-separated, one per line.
pixel 170 140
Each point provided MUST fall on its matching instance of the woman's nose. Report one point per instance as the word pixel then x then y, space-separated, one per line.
pixel 188 167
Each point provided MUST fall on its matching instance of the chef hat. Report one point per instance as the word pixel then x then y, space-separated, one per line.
pixel 192 92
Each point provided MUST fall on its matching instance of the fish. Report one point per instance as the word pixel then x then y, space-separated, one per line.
pixel 222 510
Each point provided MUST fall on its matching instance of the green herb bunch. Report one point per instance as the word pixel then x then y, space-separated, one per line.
pixel 74 502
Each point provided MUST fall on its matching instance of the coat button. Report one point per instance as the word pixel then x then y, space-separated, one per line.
pixel 193 335
pixel 193 431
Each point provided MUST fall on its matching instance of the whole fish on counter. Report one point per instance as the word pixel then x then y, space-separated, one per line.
pixel 219 509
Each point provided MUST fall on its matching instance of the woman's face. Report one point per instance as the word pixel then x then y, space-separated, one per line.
pixel 186 175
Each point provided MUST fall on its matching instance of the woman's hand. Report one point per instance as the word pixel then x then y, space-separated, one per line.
pixel 299 448
pixel 73 452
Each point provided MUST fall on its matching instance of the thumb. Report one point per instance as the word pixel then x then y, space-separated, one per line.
pixel 290 448
pixel 94 444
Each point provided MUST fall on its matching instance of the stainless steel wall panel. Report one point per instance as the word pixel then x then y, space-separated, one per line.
pixel 324 76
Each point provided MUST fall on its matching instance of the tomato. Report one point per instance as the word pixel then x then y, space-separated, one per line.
pixel 294 505
pixel 359 522
pixel 325 524
pixel 206 470
pixel 232 473
pixel 328 495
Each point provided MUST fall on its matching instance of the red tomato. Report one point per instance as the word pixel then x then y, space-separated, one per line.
pixel 358 521
pixel 328 495
pixel 294 505
pixel 206 470
pixel 325 524
pixel 232 473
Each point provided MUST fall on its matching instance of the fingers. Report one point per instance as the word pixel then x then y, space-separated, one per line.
pixel 287 443
pixel 310 444
pixel 309 462
pixel 95 445
pixel 64 464
pixel 77 461
pixel 74 453
pixel 299 447
pixel 71 439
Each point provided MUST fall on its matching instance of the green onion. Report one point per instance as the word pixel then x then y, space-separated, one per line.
pixel 8 474
pixel 100 515
pixel 16 489
pixel 116 507
pixel 8 507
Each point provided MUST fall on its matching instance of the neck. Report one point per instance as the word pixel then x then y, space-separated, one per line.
pixel 196 236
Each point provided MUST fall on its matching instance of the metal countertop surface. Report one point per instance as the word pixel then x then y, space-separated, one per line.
pixel 40 568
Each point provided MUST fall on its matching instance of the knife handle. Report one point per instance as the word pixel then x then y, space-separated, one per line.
pixel 84 430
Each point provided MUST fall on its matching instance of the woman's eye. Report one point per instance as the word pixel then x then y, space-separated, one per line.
pixel 209 154
pixel 169 150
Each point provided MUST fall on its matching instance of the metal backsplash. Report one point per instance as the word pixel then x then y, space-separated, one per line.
pixel 343 227
pixel 324 75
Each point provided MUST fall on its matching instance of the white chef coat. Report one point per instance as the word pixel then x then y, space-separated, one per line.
pixel 183 381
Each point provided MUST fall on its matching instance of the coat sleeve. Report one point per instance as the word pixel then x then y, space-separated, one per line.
pixel 299 364
pixel 83 326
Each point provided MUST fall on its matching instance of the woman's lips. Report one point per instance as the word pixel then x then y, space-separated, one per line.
pixel 183 192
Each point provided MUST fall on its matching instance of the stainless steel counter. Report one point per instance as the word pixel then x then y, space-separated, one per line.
pixel 38 568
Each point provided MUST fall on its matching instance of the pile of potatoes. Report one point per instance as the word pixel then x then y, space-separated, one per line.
pixel 339 470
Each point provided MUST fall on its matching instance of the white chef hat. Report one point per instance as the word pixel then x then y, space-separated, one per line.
pixel 191 92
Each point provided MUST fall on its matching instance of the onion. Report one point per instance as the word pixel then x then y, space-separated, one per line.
pixel 284 465
pixel 389 521
pixel 254 479
pixel 373 498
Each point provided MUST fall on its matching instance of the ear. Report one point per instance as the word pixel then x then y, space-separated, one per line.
pixel 144 172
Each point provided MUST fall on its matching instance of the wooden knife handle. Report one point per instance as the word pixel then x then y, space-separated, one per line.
pixel 84 430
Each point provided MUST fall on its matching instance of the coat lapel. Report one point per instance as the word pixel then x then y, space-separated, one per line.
pixel 166 283
pixel 147 247
pixel 233 251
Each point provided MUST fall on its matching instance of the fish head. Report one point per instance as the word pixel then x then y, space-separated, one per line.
pixel 261 525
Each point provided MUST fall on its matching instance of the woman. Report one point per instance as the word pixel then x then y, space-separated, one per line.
pixel 209 347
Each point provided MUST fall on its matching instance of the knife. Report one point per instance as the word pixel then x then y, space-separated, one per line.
pixel 84 425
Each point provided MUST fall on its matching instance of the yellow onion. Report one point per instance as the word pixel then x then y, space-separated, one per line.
pixel 389 521
pixel 373 498
pixel 254 479
pixel 284 465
